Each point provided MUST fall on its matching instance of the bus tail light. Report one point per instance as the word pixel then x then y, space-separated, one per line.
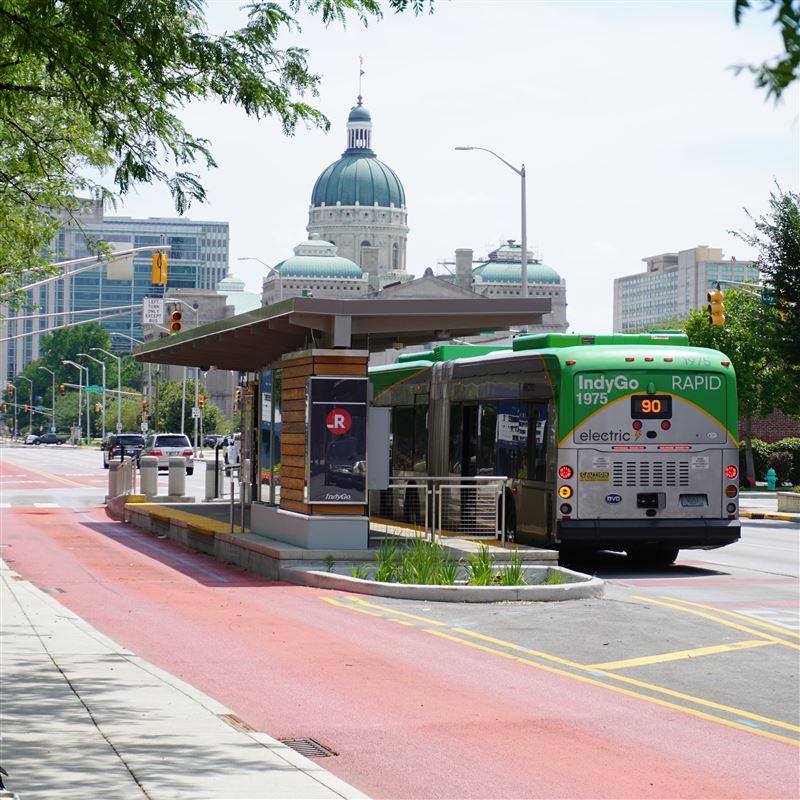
pixel 565 508
pixel 731 472
pixel 565 472
pixel 731 508
pixel 565 492
pixel 665 424
pixel 731 491
pixel 636 424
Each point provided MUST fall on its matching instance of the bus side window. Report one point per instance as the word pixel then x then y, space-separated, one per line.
pixel 487 440
pixel 456 423
pixel 402 438
pixel 537 441
pixel 512 436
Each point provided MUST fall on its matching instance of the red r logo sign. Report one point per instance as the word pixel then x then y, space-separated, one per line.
pixel 338 421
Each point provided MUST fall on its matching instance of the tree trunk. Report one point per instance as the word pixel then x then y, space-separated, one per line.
pixel 750 468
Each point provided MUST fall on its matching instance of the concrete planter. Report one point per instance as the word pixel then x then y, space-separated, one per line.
pixel 579 587
pixel 789 501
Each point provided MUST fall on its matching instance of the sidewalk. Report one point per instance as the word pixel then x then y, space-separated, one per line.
pixel 83 718
pixel 763 505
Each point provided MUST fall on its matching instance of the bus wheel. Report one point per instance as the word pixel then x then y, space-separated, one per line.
pixel 653 555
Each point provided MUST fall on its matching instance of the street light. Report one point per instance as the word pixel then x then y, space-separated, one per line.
pixel 30 402
pixel 119 386
pixel 53 400
pixel 80 394
pixel 149 371
pixel 103 407
pixel 521 172
pixel 271 269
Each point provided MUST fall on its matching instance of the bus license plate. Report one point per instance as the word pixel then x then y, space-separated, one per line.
pixel 694 500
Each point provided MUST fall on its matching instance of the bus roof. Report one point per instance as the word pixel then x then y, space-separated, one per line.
pixel 548 341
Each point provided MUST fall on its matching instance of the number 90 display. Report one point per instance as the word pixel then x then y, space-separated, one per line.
pixel 651 406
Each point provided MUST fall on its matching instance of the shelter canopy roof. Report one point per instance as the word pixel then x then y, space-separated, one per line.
pixel 255 339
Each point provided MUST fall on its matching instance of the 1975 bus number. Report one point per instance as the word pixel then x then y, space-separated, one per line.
pixel 591 398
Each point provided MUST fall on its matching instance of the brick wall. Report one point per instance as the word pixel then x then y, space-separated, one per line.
pixel 774 427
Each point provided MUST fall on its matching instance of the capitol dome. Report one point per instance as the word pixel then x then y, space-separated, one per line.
pixel 359 205
pixel 505 266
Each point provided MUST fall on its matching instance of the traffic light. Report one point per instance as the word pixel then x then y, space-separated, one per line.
pixel 175 318
pixel 160 267
pixel 716 306
pixel 5 407
pixel 11 388
pixel 25 408
pixel 201 401
pixel 62 388
pixel 237 398
pixel 97 408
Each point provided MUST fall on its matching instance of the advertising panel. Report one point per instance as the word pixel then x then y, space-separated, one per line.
pixel 337 440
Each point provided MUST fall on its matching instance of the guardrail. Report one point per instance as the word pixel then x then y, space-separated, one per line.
pixel 122 477
pixel 445 505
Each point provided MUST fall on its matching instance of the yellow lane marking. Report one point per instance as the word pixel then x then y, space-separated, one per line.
pixel 678 655
pixel 584 679
pixel 58 478
pixel 722 621
pixel 426 620
pixel 740 712
pixel 517 647
pixel 352 608
pixel 751 620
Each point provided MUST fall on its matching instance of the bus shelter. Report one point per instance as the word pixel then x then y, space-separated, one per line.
pixel 312 445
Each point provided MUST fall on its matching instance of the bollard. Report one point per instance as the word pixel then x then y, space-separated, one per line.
pixel 212 480
pixel 246 485
pixel 177 476
pixel 114 470
pixel 148 471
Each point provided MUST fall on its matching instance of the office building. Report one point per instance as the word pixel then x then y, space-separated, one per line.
pixel 672 285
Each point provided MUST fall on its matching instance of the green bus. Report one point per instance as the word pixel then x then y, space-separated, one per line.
pixel 620 442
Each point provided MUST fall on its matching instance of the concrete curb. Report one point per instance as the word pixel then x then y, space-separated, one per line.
pixel 587 587
pixel 776 515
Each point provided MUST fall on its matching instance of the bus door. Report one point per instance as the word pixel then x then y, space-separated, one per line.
pixel 534 501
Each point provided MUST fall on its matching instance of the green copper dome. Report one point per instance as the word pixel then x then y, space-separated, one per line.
pixel 358 177
pixel 509 272
pixel 317 259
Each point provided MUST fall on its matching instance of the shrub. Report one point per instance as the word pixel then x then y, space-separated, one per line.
pixel 760 454
pixel 446 569
pixel 791 446
pixel 513 573
pixel 359 571
pixel 480 567
pixel 781 462
pixel 386 560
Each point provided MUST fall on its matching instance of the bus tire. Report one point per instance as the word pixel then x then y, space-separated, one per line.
pixel 655 555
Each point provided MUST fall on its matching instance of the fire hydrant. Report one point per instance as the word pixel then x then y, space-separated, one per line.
pixel 772 479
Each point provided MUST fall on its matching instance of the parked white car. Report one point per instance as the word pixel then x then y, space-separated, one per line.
pixel 164 445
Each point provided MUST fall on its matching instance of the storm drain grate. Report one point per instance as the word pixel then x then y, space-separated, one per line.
pixel 54 590
pixel 310 748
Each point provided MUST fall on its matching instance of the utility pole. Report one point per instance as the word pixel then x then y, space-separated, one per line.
pixel 103 406
pixel 52 399
pixel 30 401
pixel 183 402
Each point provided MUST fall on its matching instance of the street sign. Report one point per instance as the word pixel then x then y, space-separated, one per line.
pixel 95 389
pixel 144 427
pixel 195 413
pixel 152 310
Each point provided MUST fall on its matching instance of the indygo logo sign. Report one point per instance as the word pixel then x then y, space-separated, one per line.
pixel 613 499
pixel 605 383
pixel 709 383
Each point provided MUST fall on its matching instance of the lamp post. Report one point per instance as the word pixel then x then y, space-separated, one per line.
pixel 80 368
pixel 523 209
pixel 53 399
pixel 149 370
pixel 119 386
pixel 103 407
pixel 271 269
pixel 30 402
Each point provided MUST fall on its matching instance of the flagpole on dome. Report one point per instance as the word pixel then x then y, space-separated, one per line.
pixel 360 76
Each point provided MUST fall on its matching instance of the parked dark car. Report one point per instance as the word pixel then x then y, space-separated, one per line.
pixel 131 444
pixel 50 438
pixel 211 439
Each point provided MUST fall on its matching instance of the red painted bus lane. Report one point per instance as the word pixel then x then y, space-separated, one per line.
pixel 410 714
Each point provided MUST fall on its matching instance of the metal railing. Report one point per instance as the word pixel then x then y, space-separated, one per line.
pixel 447 505
pixel 122 477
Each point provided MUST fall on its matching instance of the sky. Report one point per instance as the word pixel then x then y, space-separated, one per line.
pixel 637 136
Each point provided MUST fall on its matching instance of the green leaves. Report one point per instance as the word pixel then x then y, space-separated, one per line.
pixel 97 88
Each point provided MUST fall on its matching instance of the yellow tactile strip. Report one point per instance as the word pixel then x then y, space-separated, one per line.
pixel 195 522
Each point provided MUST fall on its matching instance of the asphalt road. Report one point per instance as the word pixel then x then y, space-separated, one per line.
pixel 681 683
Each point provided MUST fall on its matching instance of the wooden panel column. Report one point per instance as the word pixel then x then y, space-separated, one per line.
pixel 296 369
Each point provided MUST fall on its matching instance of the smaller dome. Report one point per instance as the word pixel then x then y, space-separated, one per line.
pixel 510 272
pixel 230 284
pixel 359 114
